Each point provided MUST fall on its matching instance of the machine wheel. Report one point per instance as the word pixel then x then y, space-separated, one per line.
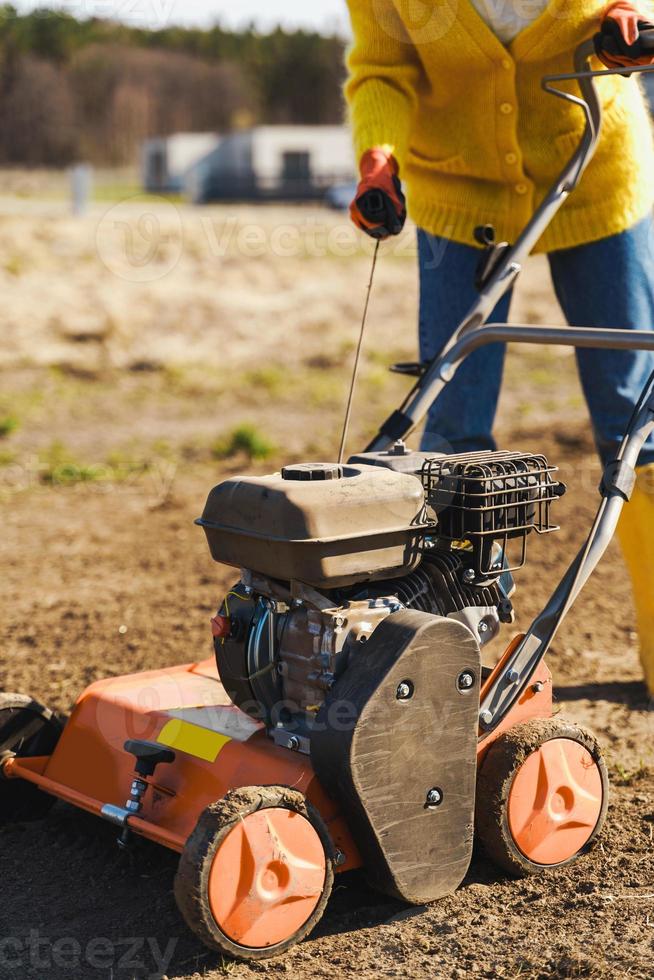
pixel 26 729
pixel 542 796
pixel 256 873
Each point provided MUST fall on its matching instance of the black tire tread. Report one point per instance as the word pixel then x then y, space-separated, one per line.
pixel 504 759
pixel 215 823
pixel 22 802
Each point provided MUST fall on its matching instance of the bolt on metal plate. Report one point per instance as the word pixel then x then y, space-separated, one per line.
pixel 404 691
pixel 466 680
pixel 434 798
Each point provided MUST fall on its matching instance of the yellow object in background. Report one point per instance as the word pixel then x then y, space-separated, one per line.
pixel 636 535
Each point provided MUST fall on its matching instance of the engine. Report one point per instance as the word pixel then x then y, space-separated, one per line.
pixel 328 552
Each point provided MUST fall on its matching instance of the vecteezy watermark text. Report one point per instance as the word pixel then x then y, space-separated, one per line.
pixel 147 955
pixel 153 13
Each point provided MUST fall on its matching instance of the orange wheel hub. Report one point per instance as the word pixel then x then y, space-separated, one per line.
pixel 555 802
pixel 267 877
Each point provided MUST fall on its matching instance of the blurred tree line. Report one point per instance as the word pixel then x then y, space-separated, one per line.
pixel 94 89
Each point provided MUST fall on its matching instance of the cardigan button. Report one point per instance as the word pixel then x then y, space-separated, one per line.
pixel 507 64
pixel 521 189
pixel 506 108
pixel 511 159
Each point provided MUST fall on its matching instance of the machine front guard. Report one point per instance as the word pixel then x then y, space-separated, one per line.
pixel 516 670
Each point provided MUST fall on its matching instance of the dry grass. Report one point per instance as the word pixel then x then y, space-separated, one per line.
pixel 149 322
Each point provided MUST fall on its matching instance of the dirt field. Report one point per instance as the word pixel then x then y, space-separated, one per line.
pixel 139 364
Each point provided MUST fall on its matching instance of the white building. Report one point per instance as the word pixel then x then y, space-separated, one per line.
pixel 274 163
pixel 167 160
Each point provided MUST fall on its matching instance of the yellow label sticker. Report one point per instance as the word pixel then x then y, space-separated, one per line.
pixel 195 741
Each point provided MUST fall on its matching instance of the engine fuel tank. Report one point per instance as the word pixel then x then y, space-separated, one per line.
pixel 326 525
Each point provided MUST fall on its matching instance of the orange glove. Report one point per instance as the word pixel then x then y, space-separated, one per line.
pixel 626 38
pixel 379 207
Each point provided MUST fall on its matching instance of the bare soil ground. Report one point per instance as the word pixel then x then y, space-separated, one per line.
pixel 119 400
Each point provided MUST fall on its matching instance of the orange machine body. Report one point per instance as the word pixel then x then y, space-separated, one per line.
pixel 536 700
pixel 217 748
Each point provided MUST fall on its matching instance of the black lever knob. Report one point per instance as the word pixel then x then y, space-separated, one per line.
pixel 148 755
pixel 485 235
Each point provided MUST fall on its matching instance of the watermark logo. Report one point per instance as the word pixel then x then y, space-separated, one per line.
pixel 155 14
pixel 141 239
pixel 416 21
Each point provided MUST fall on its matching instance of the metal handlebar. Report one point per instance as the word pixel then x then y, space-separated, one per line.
pixel 473 332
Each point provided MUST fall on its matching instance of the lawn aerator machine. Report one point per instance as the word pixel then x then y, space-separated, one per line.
pixel 347 720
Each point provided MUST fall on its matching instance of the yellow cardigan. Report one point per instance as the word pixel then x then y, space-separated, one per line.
pixel 477 139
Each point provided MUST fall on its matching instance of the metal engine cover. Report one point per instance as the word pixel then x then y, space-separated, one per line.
pixel 395 743
pixel 328 526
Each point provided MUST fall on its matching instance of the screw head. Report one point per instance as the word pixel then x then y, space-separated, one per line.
pixel 468 575
pixel 404 691
pixel 538 687
pixel 466 680
pixel 512 676
pixel 483 627
pixel 434 798
pixel 339 858
pixel 293 743
pixel 339 621
pixel 486 717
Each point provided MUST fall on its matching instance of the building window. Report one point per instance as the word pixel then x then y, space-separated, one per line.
pixel 296 168
pixel 158 167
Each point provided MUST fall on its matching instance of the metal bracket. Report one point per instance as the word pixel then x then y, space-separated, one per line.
pixel 293 742
pixel 117 815
pixel 619 477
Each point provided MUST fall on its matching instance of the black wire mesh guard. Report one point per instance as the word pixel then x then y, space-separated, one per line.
pixel 490 502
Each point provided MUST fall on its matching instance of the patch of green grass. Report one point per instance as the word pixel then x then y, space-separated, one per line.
pixel 194 380
pixel 14 265
pixel 124 464
pixel 271 379
pixel 8 424
pixel 377 377
pixel 327 390
pixel 540 377
pixel 383 358
pixel 19 404
pixel 627 777
pixel 115 192
pixel 59 468
pixel 563 965
pixel 245 439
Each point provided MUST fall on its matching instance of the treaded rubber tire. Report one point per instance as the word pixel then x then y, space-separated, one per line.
pixel 213 826
pixel 504 759
pixel 22 802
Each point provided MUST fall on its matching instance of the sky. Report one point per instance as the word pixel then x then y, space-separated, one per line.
pixel 321 14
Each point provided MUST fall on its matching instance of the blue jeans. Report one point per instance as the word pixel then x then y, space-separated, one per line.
pixel 609 283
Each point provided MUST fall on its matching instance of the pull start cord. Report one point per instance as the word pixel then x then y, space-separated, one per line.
pixel 357 359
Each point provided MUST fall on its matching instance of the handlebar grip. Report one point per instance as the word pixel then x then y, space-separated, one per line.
pixel 372 206
pixel 609 42
pixel 604 43
pixel 646 39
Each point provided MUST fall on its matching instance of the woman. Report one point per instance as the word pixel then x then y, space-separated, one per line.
pixel 453 106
